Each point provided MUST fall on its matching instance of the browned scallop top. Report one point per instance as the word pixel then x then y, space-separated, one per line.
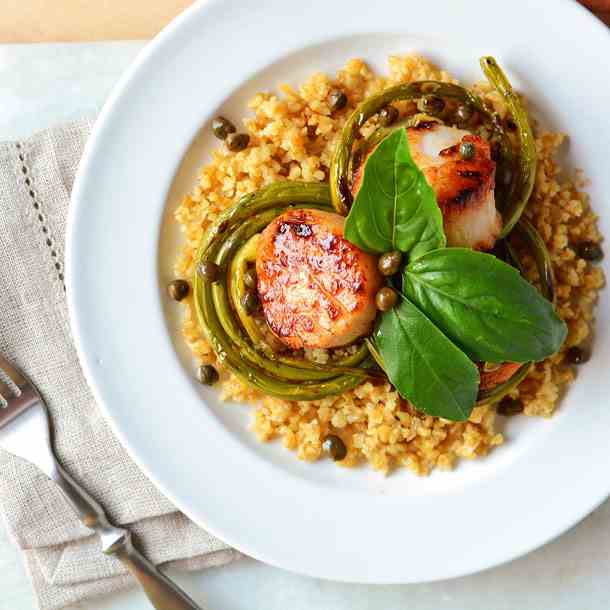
pixel 464 188
pixel 455 180
pixel 316 288
pixel 458 180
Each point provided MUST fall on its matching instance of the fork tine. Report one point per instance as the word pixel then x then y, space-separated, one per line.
pixel 13 373
pixel 14 407
pixel 8 387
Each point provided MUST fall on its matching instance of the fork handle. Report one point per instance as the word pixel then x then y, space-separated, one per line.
pixel 160 590
pixel 86 508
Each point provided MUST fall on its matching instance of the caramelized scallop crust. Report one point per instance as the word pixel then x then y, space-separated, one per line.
pixel 317 289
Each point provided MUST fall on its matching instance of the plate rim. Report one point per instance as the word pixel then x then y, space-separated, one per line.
pixel 102 124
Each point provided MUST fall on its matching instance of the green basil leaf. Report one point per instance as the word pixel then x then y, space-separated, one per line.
pixel 484 306
pixel 395 208
pixel 425 366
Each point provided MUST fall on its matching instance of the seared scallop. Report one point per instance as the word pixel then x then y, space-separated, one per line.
pixel 463 183
pixel 317 290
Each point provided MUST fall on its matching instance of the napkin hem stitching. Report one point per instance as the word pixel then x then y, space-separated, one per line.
pixel 48 237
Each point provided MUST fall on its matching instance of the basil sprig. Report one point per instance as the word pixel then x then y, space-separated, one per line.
pixel 484 306
pixel 425 366
pixel 457 305
pixel 395 208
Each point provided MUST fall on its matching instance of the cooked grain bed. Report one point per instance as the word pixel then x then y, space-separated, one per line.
pixel 292 138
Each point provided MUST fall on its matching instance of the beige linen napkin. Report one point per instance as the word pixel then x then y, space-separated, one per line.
pixel 63 558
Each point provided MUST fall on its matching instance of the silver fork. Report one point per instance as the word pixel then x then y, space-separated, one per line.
pixel 26 431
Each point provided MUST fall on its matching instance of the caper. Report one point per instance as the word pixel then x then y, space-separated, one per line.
pixel 509 406
pixel 389 263
pixel 590 251
pixel 250 302
pixel 388 115
pixel 577 355
pixel 337 100
pixel 222 127
pixel 335 446
pixel 510 124
pixel 178 289
pixel 463 113
pixel 467 150
pixel 386 298
pixel 237 141
pixel 432 104
pixel 250 278
pixel 208 271
pixel 207 374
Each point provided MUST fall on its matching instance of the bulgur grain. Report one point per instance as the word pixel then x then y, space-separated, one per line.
pixel 292 137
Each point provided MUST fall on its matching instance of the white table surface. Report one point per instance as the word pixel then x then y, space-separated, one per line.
pixel 41 85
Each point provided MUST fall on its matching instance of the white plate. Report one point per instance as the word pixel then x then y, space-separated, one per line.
pixel 318 519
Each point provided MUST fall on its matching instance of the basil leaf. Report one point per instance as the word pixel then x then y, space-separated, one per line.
pixel 395 208
pixel 484 306
pixel 425 367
